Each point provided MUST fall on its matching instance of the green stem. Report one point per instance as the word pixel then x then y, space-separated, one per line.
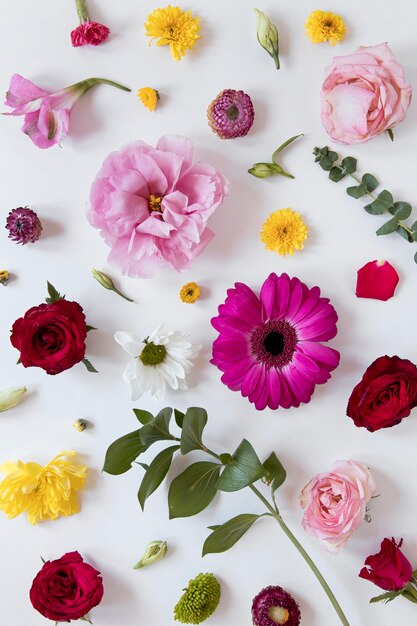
pixel 275 513
pixel 88 83
pixel 122 295
pixel 82 11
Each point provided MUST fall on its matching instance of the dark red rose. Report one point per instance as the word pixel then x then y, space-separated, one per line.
pixel 386 393
pixel 51 336
pixel 89 33
pixel 389 569
pixel 66 589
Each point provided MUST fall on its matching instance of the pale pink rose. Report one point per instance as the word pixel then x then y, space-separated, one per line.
pixel 334 503
pixel 364 94
pixel 152 205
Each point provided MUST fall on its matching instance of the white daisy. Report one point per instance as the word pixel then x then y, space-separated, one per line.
pixel 164 358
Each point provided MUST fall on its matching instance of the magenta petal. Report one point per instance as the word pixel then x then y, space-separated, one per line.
pixel 251 380
pixel 377 280
pixel 321 354
pixel 274 388
pixel 274 296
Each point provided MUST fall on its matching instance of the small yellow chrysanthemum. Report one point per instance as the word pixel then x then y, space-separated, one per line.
pixel 190 293
pixel 44 492
pixel 173 27
pixel 4 277
pixel 284 231
pixel 149 97
pixel 325 26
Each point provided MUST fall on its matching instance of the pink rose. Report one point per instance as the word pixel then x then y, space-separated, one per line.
pixel 364 94
pixel 334 503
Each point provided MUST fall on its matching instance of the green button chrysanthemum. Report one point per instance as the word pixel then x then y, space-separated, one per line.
pixel 199 600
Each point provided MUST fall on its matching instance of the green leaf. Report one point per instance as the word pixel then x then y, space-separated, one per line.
pixel 409 593
pixel 414 225
pixel 122 452
pixel 193 425
pixel 370 182
pixel 349 165
pixel 226 535
pixel 415 258
pixel 388 227
pixel 214 527
pixel 336 174
pixel 157 429
pixel 155 474
pixel 89 327
pixel 193 490
pixel 144 417
pixel 357 191
pixel 244 469
pixel 225 458
pixel 385 597
pixel 390 133
pixel 275 471
pixel 326 162
pixel 284 145
pixel 54 295
pixel 90 367
pixel 144 465
pixel 404 234
pixel 402 210
pixel 382 204
pixel 179 417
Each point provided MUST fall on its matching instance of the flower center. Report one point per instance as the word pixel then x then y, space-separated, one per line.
pixel 232 113
pixel 153 354
pixel 154 203
pixel 274 343
pixel 278 614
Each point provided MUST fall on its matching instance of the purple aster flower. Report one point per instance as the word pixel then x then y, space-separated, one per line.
pixel 23 225
pixel 231 114
pixel 273 605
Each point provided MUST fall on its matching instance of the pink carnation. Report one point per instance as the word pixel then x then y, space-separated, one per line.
pixel 89 33
pixel 364 94
pixel 152 205
pixel 334 503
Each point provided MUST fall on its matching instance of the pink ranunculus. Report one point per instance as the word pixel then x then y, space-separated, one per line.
pixel 152 205
pixel 47 113
pixel 364 94
pixel 334 503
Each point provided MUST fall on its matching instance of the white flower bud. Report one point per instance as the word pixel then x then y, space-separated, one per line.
pixel 267 35
pixel 154 551
pixel 11 397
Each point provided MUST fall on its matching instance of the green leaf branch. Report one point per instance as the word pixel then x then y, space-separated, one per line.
pixel 382 203
pixel 193 490
pixel 273 168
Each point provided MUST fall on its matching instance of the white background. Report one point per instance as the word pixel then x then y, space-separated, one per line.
pixel 111 531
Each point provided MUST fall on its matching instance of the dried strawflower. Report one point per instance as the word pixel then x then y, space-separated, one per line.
pixel 4 277
pixel 274 605
pixel 325 26
pixel 199 601
pixel 173 27
pixel 284 232
pixel 9 398
pixel 231 114
pixel 80 425
pixel 44 492
pixel 149 97
pixel 24 225
pixel 154 551
pixel 190 293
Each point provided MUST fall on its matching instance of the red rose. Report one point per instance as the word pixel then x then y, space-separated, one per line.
pixel 66 589
pixel 51 336
pixel 389 569
pixel 386 393
pixel 92 33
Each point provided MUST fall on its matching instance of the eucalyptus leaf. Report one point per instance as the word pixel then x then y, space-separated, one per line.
pixel 383 203
pixel 404 234
pixel 349 165
pixel 336 174
pixel 122 452
pixel 244 469
pixel 415 258
pixel 193 490
pixel 193 425
pixel 179 417
pixel 389 227
pixel 402 210
pixel 155 474
pixel 144 417
pixel 225 536
pixel 326 162
pixel 370 181
pixel 414 226
pixel 158 429
pixel 275 471
pixel 357 191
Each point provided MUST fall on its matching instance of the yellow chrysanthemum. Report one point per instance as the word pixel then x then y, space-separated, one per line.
pixel 173 27
pixel 284 231
pixel 149 97
pixel 325 26
pixel 190 293
pixel 44 492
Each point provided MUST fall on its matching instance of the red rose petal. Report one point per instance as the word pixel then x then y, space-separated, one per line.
pixel 377 280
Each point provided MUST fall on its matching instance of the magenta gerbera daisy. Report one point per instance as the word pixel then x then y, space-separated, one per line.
pixel 269 347
pixel 274 605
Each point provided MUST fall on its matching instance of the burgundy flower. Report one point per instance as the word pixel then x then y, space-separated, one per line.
pixel 89 33
pixel 272 606
pixel 23 225
pixel 389 569
pixel 231 114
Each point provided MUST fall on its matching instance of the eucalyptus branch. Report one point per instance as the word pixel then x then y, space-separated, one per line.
pixel 194 489
pixel 383 203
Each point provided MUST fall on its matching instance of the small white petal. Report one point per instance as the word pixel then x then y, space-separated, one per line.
pixel 129 342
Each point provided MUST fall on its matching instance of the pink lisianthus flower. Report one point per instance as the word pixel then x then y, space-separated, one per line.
pixel 88 32
pixel 152 205
pixel 46 113
pixel 364 94
pixel 335 502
